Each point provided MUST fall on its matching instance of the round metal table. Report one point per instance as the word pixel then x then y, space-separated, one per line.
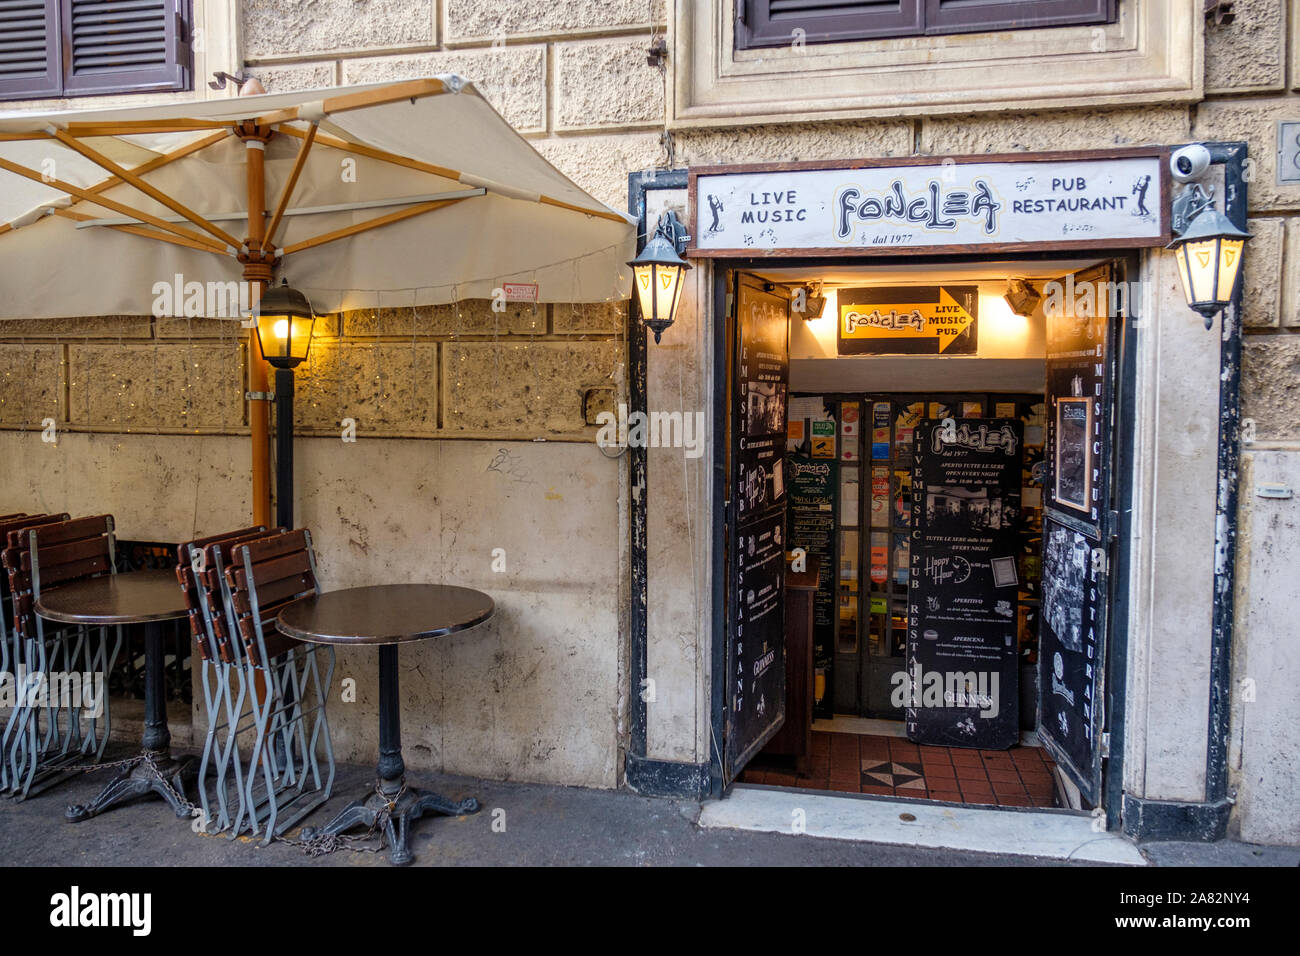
pixel 147 597
pixel 387 615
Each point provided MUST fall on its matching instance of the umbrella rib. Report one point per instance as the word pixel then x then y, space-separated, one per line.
pixel 112 204
pixel 366 226
pixel 142 231
pixel 134 127
pixel 445 172
pixel 159 161
pixel 99 159
pixel 371 152
pixel 410 90
pixel 290 183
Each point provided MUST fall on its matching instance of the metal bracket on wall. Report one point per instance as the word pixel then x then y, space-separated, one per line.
pixel 259 396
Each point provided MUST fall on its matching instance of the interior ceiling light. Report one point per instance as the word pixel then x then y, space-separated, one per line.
pixel 1021 297
pixel 812 300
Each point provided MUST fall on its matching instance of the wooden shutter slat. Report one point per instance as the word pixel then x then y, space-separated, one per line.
pixel 29 50
pixel 970 16
pixel 773 23
pixel 123 46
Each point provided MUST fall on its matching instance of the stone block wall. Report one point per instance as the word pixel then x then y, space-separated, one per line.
pixel 457 370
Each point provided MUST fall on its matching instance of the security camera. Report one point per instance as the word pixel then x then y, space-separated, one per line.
pixel 1189 163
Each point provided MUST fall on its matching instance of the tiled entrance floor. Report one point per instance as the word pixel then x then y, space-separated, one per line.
pixel 892 766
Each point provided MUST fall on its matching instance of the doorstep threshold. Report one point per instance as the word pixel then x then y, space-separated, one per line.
pixel 1051 834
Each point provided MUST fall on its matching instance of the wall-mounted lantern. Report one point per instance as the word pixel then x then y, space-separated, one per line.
pixel 1209 261
pixel 1207 246
pixel 658 273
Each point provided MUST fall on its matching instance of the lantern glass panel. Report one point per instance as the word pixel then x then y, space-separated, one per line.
pixel 1229 265
pixel 1180 256
pixel 1202 268
pixel 668 289
pixel 284 337
pixel 645 281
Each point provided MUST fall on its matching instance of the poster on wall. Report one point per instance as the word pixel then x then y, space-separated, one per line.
pixel 1078 357
pixel 820 208
pixel 812 527
pixel 908 320
pixel 1071 623
pixel 961 685
pixel 756 606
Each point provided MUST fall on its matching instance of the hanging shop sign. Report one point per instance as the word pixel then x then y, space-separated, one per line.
pixel 908 320
pixel 961 686
pixel 972 203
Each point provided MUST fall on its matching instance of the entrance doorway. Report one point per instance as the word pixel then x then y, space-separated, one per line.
pixel 1002 581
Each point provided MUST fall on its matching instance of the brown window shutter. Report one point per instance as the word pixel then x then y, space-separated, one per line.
pixel 771 23
pixel 29 49
pixel 119 46
pixel 969 16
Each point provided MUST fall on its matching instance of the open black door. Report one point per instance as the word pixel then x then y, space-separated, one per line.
pixel 1078 525
pixel 758 389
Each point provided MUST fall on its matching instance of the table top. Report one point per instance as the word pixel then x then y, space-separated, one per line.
pixel 385 614
pixel 132 597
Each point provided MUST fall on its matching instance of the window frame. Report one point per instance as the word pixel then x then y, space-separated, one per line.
pixel 1151 56
pixel 756 29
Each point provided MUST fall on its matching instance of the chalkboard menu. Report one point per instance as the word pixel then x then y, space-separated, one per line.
pixel 961 686
pixel 756 609
pixel 813 483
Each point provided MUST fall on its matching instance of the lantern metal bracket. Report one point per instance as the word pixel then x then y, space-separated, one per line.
pixel 673 230
pixel 259 396
pixel 1193 200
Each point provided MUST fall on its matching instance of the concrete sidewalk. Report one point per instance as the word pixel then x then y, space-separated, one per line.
pixel 543 825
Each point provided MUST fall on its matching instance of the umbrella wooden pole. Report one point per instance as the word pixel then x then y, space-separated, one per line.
pixel 257 268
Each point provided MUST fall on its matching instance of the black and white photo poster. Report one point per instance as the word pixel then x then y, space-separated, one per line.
pixel 1069 633
pixel 961 686
pixel 1077 386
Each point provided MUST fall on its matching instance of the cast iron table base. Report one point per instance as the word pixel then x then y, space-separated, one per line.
pixel 155 770
pixel 164 775
pixel 397 815
pixel 392 807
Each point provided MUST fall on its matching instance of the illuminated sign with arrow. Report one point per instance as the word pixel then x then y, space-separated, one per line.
pixel 908 320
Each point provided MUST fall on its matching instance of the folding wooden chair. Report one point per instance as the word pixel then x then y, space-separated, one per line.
pixel 58 553
pixel 18 615
pixel 289 714
pixel 200 579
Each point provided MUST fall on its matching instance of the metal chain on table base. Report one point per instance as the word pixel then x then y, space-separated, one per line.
pixel 140 758
pixel 332 842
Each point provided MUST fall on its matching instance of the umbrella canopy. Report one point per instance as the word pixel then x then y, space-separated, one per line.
pixel 385 195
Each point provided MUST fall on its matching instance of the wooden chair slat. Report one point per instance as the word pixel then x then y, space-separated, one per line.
pixel 74 529
pixel 62 573
pixel 273 547
pixel 266 573
pixel 72 551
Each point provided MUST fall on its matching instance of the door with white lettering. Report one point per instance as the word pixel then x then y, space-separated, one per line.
pixel 759 379
pixel 1078 522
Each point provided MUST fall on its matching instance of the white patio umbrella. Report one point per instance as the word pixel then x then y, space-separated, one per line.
pixel 400 194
